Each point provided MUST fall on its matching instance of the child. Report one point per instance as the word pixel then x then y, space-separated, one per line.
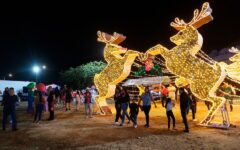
pixel 169 105
pixel 134 112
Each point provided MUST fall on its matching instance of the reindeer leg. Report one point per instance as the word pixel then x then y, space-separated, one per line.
pixel 217 103
pixel 99 99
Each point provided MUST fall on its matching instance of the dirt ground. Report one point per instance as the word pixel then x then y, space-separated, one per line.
pixel 71 130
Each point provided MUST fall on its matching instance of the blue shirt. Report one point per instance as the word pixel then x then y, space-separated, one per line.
pixel 146 98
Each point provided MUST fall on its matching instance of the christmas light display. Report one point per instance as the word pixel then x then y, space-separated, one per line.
pixel 186 61
pixel 118 68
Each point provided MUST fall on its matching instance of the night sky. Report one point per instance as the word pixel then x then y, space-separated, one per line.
pixel 64 35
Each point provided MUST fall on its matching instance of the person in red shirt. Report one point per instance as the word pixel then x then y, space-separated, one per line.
pixel 88 103
pixel 164 94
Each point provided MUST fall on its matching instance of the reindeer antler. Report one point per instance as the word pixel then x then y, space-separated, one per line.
pixel 116 38
pixel 234 50
pixel 198 20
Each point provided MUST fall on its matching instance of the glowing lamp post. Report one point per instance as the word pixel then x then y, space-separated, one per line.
pixel 36 70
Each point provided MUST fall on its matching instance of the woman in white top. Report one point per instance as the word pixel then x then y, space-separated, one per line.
pixel 78 98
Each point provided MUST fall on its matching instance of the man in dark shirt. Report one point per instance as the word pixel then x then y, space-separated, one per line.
pixel 9 103
pixel 134 112
pixel 184 104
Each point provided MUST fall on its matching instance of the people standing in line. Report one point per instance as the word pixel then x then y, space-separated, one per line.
pixel 125 99
pixel 51 103
pixel 88 103
pixel 134 109
pixel 184 104
pixel 169 105
pixel 117 100
pixel 146 98
pixel 9 108
pixel 39 105
pixel 78 98
pixel 68 98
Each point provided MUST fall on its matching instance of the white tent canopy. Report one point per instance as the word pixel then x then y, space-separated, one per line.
pixel 147 81
pixel 17 85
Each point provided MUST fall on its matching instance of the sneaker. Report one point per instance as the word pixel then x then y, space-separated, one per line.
pixel 146 126
pixel 115 123
pixel 135 126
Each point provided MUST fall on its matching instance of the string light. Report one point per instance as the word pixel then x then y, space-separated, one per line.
pixel 117 69
pixel 186 63
pixel 203 78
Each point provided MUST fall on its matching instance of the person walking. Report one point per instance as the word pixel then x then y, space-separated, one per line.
pixel 134 112
pixel 169 105
pixel 51 102
pixel 117 99
pixel 9 104
pixel 78 98
pixel 68 98
pixel 88 103
pixel 184 105
pixel 146 98
pixel 39 105
pixel 125 99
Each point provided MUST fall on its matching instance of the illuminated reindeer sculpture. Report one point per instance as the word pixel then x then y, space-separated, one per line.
pixel 117 69
pixel 203 78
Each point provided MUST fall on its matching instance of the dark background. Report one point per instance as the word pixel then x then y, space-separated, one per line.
pixel 64 35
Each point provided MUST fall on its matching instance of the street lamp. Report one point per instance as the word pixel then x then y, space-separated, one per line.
pixel 44 67
pixel 9 75
pixel 36 70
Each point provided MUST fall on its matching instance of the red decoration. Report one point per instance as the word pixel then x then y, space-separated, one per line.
pixel 41 87
pixel 148 64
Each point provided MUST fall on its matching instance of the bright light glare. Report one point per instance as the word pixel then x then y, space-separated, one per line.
pixel 44 67
pixel 36 69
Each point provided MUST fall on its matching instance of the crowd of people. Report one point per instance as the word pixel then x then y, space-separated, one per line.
pixel 145 100
pixel 39 101
pixel 52 98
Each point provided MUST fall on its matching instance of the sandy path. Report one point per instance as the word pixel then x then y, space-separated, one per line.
pixel 71 130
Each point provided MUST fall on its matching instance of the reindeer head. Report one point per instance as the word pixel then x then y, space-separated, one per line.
pixel 187 31
pixel 187 35
pixel 112 48
pixel 236 57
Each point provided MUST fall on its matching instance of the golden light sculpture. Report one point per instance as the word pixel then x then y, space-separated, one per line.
pixel 118 68
pixel 203 75
pixel 233 69
pixel 204 79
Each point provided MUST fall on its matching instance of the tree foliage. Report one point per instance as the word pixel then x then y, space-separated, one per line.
pixel 82 75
